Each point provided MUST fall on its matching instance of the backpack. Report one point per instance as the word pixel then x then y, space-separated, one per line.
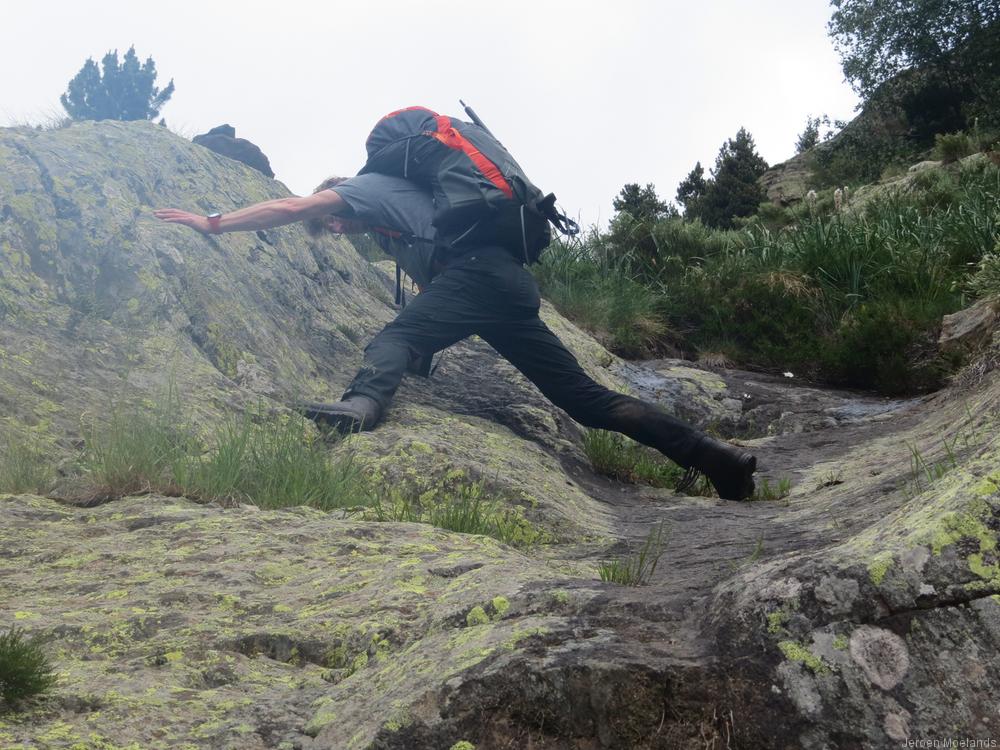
pixel 481 195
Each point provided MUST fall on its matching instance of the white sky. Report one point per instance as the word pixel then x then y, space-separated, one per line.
pixel 586 95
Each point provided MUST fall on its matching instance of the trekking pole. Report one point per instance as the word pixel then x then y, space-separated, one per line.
pixel 475 118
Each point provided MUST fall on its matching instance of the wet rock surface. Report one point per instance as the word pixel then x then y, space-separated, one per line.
pixel 860 610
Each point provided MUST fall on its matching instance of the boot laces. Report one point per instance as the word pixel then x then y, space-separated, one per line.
pixel 689 479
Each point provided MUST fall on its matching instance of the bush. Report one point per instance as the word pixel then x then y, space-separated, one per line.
pixel 810 296
pixel 886 345
pixel 952 147
pixel 25 671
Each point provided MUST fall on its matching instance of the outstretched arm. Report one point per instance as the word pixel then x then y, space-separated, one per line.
pixel 264 215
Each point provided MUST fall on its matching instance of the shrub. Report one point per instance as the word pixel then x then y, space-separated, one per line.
pixel 952 146
pixel 25 671
pixel 887 345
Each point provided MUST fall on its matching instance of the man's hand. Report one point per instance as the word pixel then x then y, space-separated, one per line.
pixel 188 219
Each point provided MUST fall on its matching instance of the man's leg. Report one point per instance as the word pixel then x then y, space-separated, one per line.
pixel 478 290
pixel 531 347
pixel 538 353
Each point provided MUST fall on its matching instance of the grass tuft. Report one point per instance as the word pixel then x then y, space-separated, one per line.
pixel 621 458
pixel 637 568
pixel 25 671
pixel 25 466
pixel 767 492
pixel 273 461
pixel 463 508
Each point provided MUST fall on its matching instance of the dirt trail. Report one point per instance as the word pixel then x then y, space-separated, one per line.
pixel 812 430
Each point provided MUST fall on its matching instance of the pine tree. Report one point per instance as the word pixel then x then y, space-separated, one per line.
pixel 641 203
pixel 116 91
pixel 733 190
pixel 691 191
pixel 808 137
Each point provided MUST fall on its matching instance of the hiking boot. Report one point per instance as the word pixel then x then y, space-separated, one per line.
pixel 355 413
pixel 730 469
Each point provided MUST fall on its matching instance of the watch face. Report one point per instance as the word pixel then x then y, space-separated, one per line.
pixel 214 216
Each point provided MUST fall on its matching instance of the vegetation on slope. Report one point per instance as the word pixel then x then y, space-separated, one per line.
pixel 852 297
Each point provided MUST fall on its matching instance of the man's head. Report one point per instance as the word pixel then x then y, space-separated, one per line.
pixel 331 223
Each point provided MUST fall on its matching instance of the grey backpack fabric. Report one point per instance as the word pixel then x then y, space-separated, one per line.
pixel 481 194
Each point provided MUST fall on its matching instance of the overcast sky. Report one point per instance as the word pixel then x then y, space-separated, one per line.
pixel 587 96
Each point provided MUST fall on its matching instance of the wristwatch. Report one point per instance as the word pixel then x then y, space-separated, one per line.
pixel 213 222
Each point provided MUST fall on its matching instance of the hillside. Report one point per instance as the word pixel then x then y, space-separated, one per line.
pixel 858 610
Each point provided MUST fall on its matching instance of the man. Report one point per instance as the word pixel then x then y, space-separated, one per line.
pixel 485 291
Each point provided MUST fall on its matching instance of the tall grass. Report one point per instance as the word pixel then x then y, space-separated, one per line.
pixel 271 460
pixel 602 292
pixel 25 465
pixel 852 298
pixel 25 670
pixel 275 463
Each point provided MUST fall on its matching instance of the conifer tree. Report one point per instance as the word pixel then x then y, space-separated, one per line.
pixel 641 203
pixel 691 191
pixel 114 91
pixel 733 190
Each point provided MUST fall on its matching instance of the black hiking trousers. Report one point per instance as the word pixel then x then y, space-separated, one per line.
pixel 487 292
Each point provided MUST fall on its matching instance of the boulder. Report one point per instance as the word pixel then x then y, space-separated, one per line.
pixel 222 140
pixel 967 331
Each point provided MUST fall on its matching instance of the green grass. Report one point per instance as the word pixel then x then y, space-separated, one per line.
pixel 602 292
pixel 25 466
pixel 618 457
pixel 275 462
pixel 462 507
pixel 272 461
pixel 636 569
pixel 767 492
pixel 25 671
pixel 852 298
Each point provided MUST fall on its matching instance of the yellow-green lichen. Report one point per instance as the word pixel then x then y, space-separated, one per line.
pixel 776 621
pixel 477 616
pixel 795 651
pixel 841 642
pixel 879 567
pixel 500 606
pixel 463 745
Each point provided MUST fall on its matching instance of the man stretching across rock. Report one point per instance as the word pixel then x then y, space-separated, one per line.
pixel 485 291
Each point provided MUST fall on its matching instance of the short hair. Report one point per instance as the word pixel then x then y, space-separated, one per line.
pixel 316 227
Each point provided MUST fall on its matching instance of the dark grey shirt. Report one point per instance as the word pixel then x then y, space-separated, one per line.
pixel 401 208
